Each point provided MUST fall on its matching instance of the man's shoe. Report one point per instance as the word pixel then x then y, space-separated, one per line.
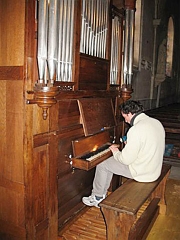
pixel 92 200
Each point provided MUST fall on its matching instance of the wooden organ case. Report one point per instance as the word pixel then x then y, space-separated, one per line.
pixel 85 124
pixel 41 171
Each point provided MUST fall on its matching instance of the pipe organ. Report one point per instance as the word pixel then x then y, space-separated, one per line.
pixel 56 41
pixel 55 38
pixel 66 57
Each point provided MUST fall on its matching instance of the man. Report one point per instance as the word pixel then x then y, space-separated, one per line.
pixel 142 157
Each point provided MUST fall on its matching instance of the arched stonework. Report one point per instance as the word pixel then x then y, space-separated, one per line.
pixel 161 63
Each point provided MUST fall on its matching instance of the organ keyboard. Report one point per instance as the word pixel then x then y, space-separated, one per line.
pixel 97 153
pixel 90 151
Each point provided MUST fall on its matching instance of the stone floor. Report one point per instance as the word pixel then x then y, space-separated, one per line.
pixel 168 227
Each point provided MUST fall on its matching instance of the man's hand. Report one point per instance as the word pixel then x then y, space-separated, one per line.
pixel 114 147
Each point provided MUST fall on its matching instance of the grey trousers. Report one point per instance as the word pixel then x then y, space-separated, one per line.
pixel 104 173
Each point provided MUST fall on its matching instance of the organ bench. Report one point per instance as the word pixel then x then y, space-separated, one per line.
pixel 131 210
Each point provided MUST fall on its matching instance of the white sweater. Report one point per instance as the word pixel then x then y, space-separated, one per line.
pixel 144 150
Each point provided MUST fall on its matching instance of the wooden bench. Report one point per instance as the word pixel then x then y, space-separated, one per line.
pixel 131 210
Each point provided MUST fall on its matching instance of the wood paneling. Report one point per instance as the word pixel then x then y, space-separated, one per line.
pixel 12 206
pixel 11 130
pixel 40 182
pixel 68 114
pixel 11 231
pixel 71 188
pixel 11 73
pixel 97 114
pixel 10 185
pixel 39 124
pixel 43 186
pixel 12 189
pixel 12 19
pixel 93 73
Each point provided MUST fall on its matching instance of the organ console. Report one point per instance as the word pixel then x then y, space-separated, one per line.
pixel 98 120
pixel 90 151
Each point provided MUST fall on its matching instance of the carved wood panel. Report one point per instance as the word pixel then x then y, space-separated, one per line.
pixel 97 114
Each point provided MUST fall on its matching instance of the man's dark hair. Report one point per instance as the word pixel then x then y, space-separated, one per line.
pixel 131 107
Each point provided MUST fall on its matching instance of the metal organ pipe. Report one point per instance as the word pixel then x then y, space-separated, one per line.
pixel 60 40
pixel 71 41
pixel 131 44
pixel 92 30
pixel 64 36
pixel 105 17
pixel 67 41
pixel 42 38
pixel 128 46
pixel 52 39
pixel 83 23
